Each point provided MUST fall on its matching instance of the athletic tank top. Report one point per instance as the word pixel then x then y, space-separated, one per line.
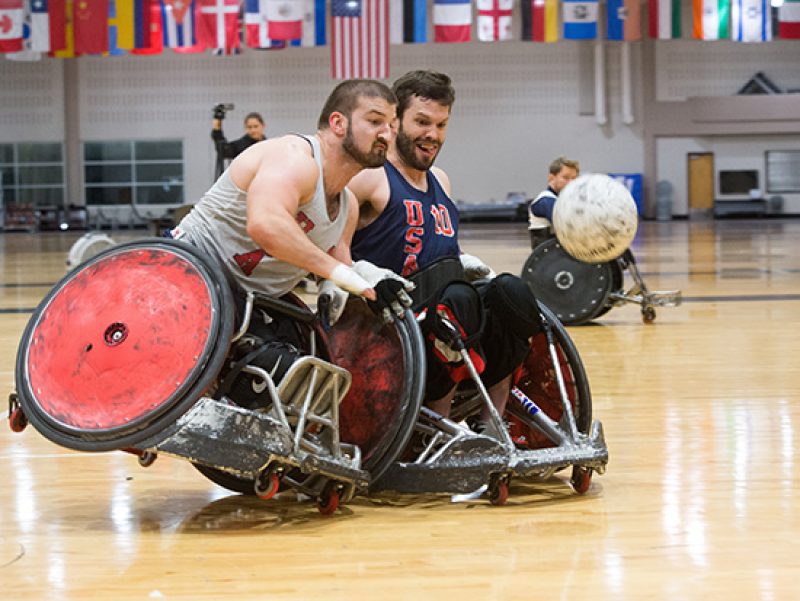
pixel 537 221
pixel 218 225
pixel 414 229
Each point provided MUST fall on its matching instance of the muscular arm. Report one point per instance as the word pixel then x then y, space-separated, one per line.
pixel 284 181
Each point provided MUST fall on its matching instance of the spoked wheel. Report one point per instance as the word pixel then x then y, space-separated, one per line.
pixel 328 500
pixel 537 379
pixel 581 479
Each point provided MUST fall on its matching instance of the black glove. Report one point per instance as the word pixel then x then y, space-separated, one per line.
pixel 391 297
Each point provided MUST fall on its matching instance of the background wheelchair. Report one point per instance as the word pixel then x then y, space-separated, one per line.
pixel 579 292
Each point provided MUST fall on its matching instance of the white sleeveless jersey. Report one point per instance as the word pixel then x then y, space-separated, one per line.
pixel 218 225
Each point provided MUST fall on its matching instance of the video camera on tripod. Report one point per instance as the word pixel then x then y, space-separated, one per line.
pixel 221 109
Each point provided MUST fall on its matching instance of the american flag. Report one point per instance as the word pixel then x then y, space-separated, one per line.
pixel 360 32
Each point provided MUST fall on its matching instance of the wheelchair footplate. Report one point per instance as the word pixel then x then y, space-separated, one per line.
pixel 297 438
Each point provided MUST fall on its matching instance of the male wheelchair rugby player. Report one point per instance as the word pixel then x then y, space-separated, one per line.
pixel 138 350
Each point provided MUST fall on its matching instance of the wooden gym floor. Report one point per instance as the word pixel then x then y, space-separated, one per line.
pixel 701 414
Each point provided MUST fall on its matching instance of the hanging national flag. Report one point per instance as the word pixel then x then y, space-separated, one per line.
pixel 11 19
pixel 452 21
pixel 58 18
pixel 313 24
pixel 142 31
pixel 27 54
pixel 408 21
pixel 40 26
pixel 62 40
pixel 624 20
pixel 284 19
pixel 580 19
pixel 123 23
pixel 218 24
pixel 789 20
pixel 360 35
pixel 494 20
pixel 256 26
pixel 90 26
pixel 751 20
pixel 114 22
pixel 155 40
pixel 664 18
pixel 710 19
pixel 539 20
pixel 177 23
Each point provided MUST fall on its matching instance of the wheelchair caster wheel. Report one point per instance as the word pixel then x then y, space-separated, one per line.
pixel 328 500
pixel 498 494
pixel 648 315
pixel 147 459
pixel 267 485
pixel 581 479
pixel 18 421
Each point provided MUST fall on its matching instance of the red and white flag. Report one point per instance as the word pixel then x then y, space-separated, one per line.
pixel 789 20
pixel 452 21
pixel 11 19
pixel 218 24
pixel 360 32
pixel 256 26
pixel 494 20
pixel 285 19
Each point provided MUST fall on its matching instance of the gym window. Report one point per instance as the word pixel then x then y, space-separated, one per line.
pixel 133 172
pixel 783 171
pixel 32 173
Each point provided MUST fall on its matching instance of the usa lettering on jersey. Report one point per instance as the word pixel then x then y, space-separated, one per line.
pixel 415 230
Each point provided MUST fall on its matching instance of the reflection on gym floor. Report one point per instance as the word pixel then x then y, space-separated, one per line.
pixel 700 415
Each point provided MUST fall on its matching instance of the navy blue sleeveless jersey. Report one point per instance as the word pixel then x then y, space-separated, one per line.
pixel 414 229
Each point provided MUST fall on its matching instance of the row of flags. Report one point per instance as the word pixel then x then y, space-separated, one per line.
pixel 361 31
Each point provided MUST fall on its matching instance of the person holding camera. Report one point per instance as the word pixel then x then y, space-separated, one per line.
pixel 254 126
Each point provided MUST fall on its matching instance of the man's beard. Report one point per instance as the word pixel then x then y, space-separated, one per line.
pixel 375 157
pixel 406 147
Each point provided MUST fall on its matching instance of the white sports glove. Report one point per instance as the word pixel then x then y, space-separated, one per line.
pixel 391 290
pixel 475 269
pixel 330 302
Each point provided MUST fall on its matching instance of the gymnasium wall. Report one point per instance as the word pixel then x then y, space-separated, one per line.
pixel 518 105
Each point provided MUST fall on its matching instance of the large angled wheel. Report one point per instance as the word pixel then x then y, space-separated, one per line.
pixel 387 363
pixel 124 345
pixel 575 291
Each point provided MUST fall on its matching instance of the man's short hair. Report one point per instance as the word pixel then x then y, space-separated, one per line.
pixel 561 162
pixel 430 85
pixel 256 116
pixel 346 95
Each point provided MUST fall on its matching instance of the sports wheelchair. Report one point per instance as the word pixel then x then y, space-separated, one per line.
pixel 579 292
pixel 138 350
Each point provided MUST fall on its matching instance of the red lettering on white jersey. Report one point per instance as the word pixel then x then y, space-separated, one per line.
pixel 247 262
pixel 304 222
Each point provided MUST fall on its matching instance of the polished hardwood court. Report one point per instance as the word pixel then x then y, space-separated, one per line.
pixel 701 412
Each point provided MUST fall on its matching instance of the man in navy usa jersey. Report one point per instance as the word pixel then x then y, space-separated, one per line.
pixel 407 221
